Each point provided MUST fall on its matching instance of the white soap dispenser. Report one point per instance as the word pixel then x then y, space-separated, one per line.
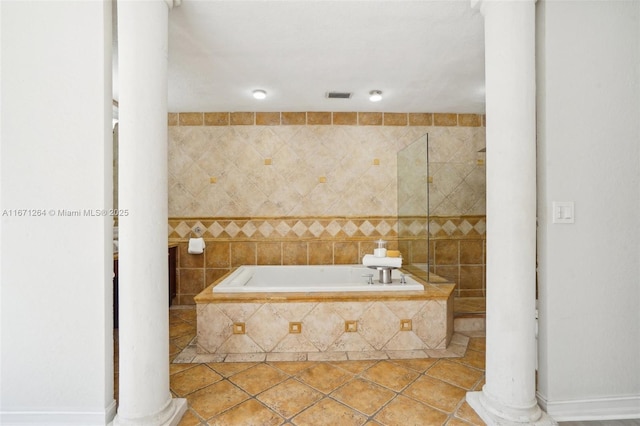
pixel 381 249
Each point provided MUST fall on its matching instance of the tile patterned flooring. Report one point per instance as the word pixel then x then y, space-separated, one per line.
pixel 403 392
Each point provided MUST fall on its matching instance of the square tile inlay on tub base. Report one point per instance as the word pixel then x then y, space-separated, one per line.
pixel 326 326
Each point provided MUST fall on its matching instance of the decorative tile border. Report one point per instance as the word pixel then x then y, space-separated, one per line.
pixel 324 118
pixel 332 228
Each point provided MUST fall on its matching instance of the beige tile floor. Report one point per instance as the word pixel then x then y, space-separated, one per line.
pixel 401 392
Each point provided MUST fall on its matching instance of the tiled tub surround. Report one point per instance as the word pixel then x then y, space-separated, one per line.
pixel 457 246
pixel 318 188
pixel 308 326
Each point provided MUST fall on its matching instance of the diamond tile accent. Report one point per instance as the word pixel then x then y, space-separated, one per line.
pixel 481 227
pixel 350 228
pixel 316 229
pixel 383 227
pixel 333 228
pixel 183 229
pixel 465 227
pixel 416 227
pixel 265 229
pixel 232 229
pixel 299 228
pixel 449 227
pixel 249 229
pixel 283 228
pixel 215 229
pixel 322 227
pixel 367 228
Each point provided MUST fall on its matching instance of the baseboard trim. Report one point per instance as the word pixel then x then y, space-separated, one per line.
pixel 592 409
pixel 58 418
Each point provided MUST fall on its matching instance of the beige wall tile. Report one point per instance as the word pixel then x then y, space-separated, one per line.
pixel 242 118
pixel 370 118
pixel 346 252
pixel 471 277
pixel 366 247
pixel 320 253
pixel 314 118
pixel 418 251
pixel 243 253
pixel 471 252
pixel 294 118
pixel 187 260
pixel 213 275
pixel 235 157
pixel 288 191
pixel 345 118
pixel 216 118
pixel 446 252
pixel 172 119
pixel 420 119
pixel 471 293
pixel 469 120
pixel 267 118
pixel 185 299
pixel 191 281
pixel 450 273
pixel 445 119
pixel 269 253
pixel 294 253
pixel 334 248
pixel 395 119
pixel 217 254
pixel 190 118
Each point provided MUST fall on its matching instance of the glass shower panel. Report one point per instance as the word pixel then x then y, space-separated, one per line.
pixel 413 205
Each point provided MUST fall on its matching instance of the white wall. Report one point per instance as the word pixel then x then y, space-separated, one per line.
pixel 56 319
pixel 589 153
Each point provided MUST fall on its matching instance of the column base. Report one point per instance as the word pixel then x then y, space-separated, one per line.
pixel 479 403
pixel 170 416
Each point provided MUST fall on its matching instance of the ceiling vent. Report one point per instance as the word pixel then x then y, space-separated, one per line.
pixel 339 95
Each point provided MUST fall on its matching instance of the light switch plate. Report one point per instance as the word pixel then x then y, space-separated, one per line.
pixel 563 212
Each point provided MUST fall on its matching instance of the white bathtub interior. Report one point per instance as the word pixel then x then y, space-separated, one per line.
pixel 311 279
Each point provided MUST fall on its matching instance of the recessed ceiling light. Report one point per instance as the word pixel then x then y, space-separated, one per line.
pixel 375 95
pixel 259 94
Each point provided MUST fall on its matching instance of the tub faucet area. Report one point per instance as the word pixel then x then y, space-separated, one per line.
pixel 384 261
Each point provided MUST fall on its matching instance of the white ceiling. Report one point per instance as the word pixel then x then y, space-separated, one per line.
pixel 424 55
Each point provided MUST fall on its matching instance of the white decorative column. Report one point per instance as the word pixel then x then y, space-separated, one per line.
pixel 144 397
pixel 509 395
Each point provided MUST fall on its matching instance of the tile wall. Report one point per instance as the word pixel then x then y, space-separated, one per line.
pixel 321 187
